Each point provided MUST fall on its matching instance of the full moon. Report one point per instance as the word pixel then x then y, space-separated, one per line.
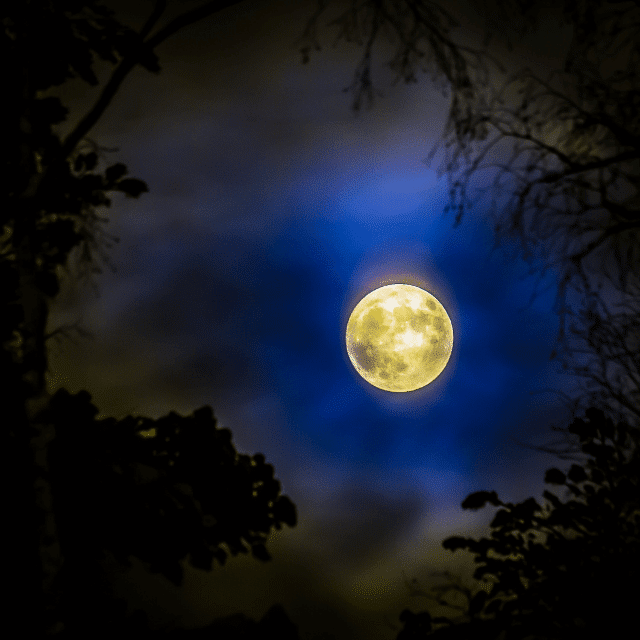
pixel 399 338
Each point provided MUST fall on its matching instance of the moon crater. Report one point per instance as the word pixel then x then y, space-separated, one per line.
pixel 399 338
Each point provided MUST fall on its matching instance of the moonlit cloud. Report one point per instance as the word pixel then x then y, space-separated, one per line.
pixel 270 209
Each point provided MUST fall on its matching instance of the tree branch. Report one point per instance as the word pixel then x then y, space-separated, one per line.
pixel 622 133
pixel 606 233
pixel 123 69
pixel 158 10
pixel 601 163
pixel 189 17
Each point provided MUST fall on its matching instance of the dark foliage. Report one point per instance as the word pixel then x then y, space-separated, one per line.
pixel 163 491
pixel 564 571
pixel 34 26
pixel 51 190
pixel 181 495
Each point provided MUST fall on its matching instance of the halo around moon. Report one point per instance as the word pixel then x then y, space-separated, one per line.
pixel 399 338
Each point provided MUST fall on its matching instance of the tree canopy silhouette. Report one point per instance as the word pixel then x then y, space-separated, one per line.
pixel 163 490
pixel 111 486
pixel 563 571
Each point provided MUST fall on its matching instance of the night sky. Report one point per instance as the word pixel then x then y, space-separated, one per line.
pixel 272 210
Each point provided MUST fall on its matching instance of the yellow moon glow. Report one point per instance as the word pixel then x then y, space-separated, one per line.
pixel 399 338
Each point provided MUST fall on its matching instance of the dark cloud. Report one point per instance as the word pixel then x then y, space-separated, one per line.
pixel 366 524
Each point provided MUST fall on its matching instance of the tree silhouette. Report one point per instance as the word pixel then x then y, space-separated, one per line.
pixel 569 193
pixel 564 571
pixel 161 490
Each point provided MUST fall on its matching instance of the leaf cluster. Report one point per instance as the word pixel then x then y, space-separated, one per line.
pixel 49 194
pixel 564 569
pixel 71 33
pixel 159 490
